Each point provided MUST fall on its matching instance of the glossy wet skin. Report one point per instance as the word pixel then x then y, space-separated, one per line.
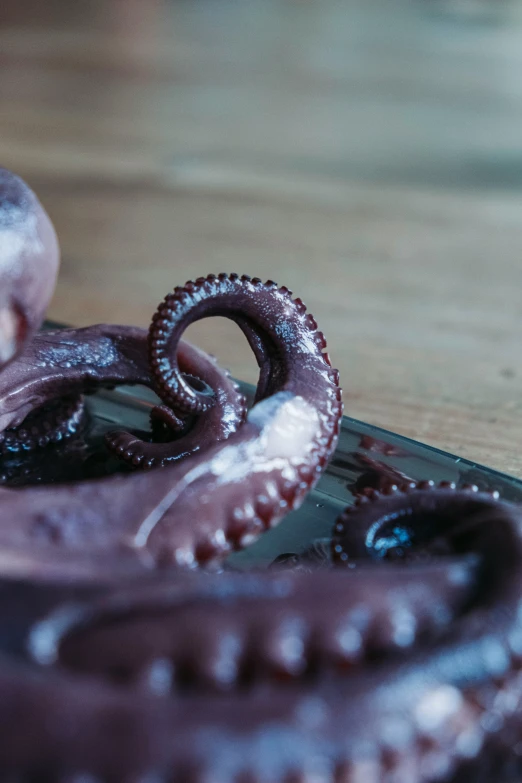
pixel 196 510
pixel 388 654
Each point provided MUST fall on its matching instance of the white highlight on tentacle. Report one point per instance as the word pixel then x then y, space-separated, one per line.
pixel 287 422
pixel 288 429
pixel 438 706
pixel 160 509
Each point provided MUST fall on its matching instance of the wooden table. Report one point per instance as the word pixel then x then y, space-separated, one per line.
pixel 367 154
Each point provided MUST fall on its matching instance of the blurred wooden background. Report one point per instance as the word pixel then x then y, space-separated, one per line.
pixel 366 153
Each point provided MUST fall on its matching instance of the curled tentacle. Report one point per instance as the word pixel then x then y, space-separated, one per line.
pixel 270 319
pixel 224 496
pixel 185 434
pixel 72 361
pixel 388 526
pixel 29 259
pixel 162 417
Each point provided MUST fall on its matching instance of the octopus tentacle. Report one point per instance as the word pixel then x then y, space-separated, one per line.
pixel 391 511
pixel 225 295
pixel 73 361
pixel 247 301
pixel 29 260
pixel 240 629
pixel 200 509
pixel 425 702
pixel 67 362
pixel 161 416
pixel 227 413
pixel 51 424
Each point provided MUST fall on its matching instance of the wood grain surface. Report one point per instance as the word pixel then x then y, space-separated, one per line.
pixel 365 153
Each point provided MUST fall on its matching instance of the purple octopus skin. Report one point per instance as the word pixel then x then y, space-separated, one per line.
pixel 390 654
pixel 404 668
pixel 225 495
pixel 61 421
pixel 68 362
pixel 29 260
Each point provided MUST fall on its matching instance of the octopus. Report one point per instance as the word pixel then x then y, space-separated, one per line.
pixel 130 649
